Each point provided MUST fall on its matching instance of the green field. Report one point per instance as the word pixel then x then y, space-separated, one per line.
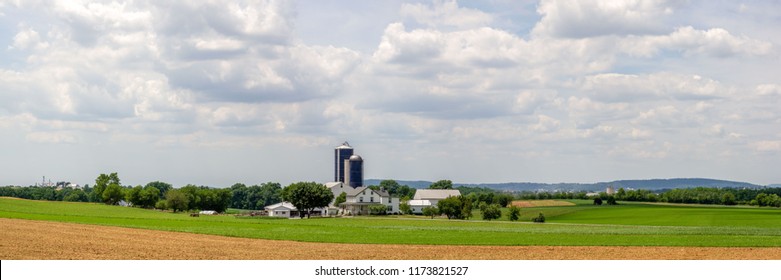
pixel 582 224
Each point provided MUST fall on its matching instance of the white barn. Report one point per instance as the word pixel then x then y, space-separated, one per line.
pixel 288 210
pixel 429 197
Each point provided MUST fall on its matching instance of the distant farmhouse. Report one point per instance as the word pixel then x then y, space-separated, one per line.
pixel 429 198
pixel 288 210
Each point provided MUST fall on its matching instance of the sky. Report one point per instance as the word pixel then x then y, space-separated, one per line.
pixel 219 92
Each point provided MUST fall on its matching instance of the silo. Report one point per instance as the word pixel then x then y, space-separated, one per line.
pixel 355 166
pixel 341 154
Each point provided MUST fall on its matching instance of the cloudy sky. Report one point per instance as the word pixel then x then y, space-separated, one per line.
pixel 217 92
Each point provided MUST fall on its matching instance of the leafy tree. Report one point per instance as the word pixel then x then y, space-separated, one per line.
pixel 113 194
pixel 177 200
pixel 149 197
pixel 611 200
pixel 503 199
pixel 161 204
pixel 162 188
pixel 515 213
pixel 597 201
pixel 377 209
pixel 728 199
pixel 450 207
pixel 76 196
pixel 492 212
pixel 430 211
pixel 441 185
pixel 466 207
pixel 341 199
pixel 134 196
pixel 306 196
pixel 391 186
pixel 404 207
pixel 102 183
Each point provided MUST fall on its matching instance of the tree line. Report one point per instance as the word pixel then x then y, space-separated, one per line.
pixel 700 195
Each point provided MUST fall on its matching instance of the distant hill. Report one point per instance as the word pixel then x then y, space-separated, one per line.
pixel 652 184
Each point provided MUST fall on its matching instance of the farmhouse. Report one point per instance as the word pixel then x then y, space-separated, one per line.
pixel 426 198
pixel 359 199
pixel 288 210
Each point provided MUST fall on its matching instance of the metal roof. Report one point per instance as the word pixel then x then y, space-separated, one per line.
pixel 344 145
pixel 356 158
pixel 435 194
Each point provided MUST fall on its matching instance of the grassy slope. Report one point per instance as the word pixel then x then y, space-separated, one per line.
pixel 632 224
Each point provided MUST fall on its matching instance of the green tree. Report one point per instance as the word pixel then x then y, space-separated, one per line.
pixel 176 200
pixel 728 199
pixel 391 186
pixel 149 197
pixel 134 196
pixel 340 199
pixel 492 212
pixel 466 207
pixel 103 183
pixel 597 201
pixel 611 200
pixel 377 209
pixel 430 211
pixel 113 194
pixel 404 207
pixel 450 207
pixel 515 213
pixel 162 188
pixel 306 196
pixel 441 185
pixel 161 204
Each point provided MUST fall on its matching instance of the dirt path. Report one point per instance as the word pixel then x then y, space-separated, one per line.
pixel 23 239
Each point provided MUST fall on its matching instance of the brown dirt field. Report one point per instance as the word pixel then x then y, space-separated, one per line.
pixel 540 203
pixel 24 239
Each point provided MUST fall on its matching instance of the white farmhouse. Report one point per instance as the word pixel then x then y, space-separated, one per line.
pixel 359 199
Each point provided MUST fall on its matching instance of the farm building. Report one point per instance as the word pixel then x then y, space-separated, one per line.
pixel 359 199
pixel 288 210
pixel 426 198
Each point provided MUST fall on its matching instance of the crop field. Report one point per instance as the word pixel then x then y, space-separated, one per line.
pixel 580 225
pixel 541 203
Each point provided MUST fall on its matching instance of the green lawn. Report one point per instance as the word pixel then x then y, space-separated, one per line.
pixel 582 224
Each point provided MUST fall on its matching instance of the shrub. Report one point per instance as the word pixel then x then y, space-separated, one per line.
pixel 597 201
pixel 161 204
pixel 377 209
pixel 515 213
pixel 611 200
pixel 539 219
pixel 492 212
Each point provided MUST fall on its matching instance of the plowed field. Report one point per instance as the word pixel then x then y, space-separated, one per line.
pixel 24 239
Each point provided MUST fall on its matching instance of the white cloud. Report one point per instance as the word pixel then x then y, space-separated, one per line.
pixel 715 42
pixel 446 13
pixel 580 19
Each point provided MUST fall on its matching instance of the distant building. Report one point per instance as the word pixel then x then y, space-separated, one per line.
pixel 288 210
pixel 429 198
pixel 610 190
pixel 348 179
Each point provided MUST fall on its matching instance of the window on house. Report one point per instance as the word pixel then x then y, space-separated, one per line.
pixel 362 199
pixel 371 199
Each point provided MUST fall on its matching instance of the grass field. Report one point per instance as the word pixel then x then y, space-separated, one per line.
pixel 582 224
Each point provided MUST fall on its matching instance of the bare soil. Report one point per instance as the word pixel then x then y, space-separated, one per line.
pixel 24 239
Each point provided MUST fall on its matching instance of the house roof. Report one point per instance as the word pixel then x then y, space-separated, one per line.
pixel 333 184
pixel 283 204
pixel 358 190
pixel 435 194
